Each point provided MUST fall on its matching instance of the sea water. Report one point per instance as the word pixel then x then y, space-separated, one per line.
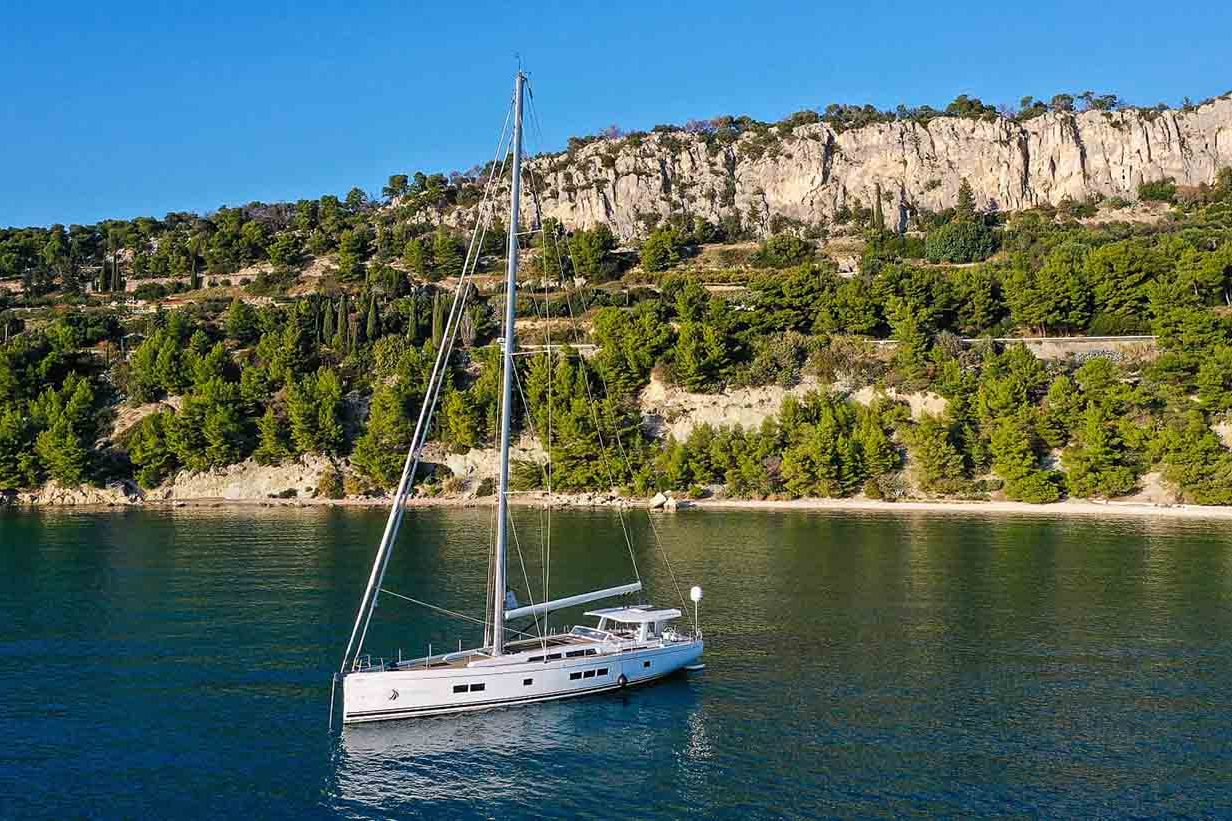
pixel 177 663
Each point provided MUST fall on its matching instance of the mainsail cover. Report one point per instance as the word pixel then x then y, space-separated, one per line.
pixel 570 601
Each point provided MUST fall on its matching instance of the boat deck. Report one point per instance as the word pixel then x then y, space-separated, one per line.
pixel 546 643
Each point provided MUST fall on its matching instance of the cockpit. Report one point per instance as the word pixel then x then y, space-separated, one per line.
pixel 638 623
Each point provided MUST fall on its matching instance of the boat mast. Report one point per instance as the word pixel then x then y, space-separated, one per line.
pixel 502 503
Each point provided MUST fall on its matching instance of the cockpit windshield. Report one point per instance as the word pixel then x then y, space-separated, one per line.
pixel 591 633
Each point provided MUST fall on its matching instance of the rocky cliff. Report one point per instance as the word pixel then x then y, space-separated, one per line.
pixel 810 172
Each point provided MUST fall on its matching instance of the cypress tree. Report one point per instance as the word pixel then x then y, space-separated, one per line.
pixel 361 325
pixel 329 330
pixel 413 321
pixel 438 319
pixel 343 329
pixel 374 321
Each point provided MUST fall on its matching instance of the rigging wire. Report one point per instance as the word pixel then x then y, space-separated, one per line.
pixel 436 380
pixel 593 404
pixel 453 613
pixel 529 593
pixel 616 429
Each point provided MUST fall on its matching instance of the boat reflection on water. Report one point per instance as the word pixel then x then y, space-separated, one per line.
pixel 455 760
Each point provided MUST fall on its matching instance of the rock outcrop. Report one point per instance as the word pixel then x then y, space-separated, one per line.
pixel 810 172
pixel 53 494
pixel 248 481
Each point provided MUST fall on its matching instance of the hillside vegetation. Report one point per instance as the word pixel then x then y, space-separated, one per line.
pixel 327 347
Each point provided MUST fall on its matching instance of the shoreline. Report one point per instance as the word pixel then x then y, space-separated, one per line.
pixel 1077 507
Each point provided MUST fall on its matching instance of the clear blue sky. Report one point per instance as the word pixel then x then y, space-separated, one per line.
pixel 137 108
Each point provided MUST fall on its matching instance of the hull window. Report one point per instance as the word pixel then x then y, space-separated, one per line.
pixel 526 682
pixel 645 664
pixel 574 676
pixel 602 671
pixel 478 688
pixel 459 688
pixel 588 674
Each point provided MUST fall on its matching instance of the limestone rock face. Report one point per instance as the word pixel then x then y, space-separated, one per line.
pixel 247 481
pixel 56 495
pixel 809 172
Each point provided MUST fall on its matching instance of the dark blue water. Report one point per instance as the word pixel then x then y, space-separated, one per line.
pixel 177 664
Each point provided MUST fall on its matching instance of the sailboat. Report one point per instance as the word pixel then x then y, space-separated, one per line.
pixel 628 644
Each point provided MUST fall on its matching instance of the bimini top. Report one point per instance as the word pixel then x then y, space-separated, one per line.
pixel 635 615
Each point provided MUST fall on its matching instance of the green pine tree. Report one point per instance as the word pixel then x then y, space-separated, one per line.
pixel 379 451
pixel 62 453
pixel 149 450
pixel 330 434
pixel 1099 463
pixel 446 254
pixel 303 414
pixel 273 447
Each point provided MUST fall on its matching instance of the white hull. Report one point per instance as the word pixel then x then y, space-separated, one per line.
pixel 438 689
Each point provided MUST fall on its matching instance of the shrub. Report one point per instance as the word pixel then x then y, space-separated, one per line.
pixel 150 290
pixel 1036 488
pixel 355 485
pixel 890 486
pixel 777 360
pixel 1117 325
pixel 329 485
pixel 1157 190
pixel 273 282
pixel 960 241
pixel 662 250
pixel 783 251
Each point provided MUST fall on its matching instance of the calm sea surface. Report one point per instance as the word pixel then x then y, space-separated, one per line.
pixel 177 664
